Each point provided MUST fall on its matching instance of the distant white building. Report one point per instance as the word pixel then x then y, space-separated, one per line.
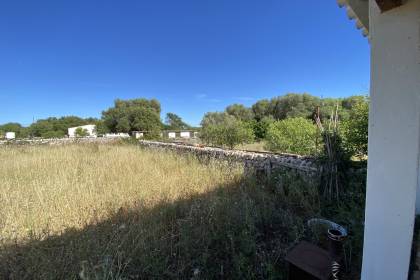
pixel 171 134
pixel 117 135
pixel 185 134
pixel 138 134
pixel 10 135
pixel 90 129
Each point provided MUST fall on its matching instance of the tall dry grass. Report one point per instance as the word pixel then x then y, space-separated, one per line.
pixel 45 190
pixel 120 212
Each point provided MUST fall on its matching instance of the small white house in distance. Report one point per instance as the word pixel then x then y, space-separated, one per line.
pixel 10 135
pixel 171 134
pixel 185 134
pixel 90 129
pixel 138 134
pixel 117 135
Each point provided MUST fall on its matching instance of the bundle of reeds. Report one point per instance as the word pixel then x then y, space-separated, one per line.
pixel 333 159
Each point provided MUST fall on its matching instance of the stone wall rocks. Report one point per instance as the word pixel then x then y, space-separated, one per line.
pixel 252 161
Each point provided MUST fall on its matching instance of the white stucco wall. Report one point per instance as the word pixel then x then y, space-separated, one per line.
pixel 90 128
pixel 394 129
pixel 185 134
pixel 10 135
pixel 171 134
pixel 117 135
pixel 138 134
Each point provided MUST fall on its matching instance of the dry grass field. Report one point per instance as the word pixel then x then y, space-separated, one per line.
pixel 120 212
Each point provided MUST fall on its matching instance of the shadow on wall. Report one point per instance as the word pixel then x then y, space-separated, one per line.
pixel 238 231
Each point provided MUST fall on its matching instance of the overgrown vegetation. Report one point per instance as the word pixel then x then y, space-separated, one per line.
pixel 119 212
pixel 293 135
pixel 225 131
pixel 355 129
pixel 287 123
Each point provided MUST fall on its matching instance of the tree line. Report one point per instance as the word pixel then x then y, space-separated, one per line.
pixel 125 116
pixel 287 123
pixel 284 123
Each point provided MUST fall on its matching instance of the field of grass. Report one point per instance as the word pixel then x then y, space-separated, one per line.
pixel 120 212
pixel 254 147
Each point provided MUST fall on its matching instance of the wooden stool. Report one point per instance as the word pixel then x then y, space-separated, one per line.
pixel 309 262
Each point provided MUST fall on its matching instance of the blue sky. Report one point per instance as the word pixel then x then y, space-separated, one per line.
pixel 75 57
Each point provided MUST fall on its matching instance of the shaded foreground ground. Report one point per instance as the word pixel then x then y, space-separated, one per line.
pixel 119 212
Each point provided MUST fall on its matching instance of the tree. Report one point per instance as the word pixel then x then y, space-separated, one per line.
pixel 101 128
pixel 261 109
pixel 214 118
pixel 133 115
pixel 294 105
pixel 173 121
pixel 355 129
pixel 240 112
pixel 260 127
pixel 293 135
pixel 81 132
pixel 226 131
pixel 146 119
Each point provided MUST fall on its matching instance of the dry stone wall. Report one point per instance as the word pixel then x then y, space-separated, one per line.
pixel 252 161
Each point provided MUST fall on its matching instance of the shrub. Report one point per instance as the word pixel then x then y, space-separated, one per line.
pixel 293 135
pixel 260 127
pixel 81 132
pixel 355 129
pixel 229 132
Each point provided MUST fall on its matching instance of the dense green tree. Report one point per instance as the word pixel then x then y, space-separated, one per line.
pixel 355 129
pixel 262 109
pixel 101 128
pixel 349 102
pixel 133 115
pixel 294 105
pixel 173 121
pixel 292 135
pixel 215 118
pixel 240 112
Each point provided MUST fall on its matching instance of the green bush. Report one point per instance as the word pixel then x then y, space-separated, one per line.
pixel 293 135
pixel 260 127
pixel 228 132
pixel 355 129
pixel 81 132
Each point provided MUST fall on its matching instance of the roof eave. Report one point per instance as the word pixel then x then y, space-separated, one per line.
pixel 359 11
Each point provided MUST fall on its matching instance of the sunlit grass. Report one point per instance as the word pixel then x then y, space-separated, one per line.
pixel 254 147
pixel 48 189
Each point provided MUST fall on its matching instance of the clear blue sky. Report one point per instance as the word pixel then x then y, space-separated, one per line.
pixel 75 57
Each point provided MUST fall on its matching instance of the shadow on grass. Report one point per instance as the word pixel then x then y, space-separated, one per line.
pixel 237 231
